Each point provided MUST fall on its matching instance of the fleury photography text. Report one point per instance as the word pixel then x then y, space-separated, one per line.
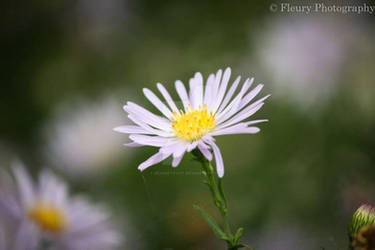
pixel 321 7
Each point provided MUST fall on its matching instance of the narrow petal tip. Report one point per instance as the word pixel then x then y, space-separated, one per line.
pixel 141 168
pixel 117 129
pixel 220 174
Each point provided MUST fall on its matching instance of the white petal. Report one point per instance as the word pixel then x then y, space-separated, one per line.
pixel 259 101
pixel 181 91
pixel 222 89
pixel 208 138
pixel 138 121
pixel 255 122
pixel 174 147
pixel 9 206
pixel 131 129
pixel 97 237
pixel 218 159
pixel 91 228
pixel 133 145
pixel 176 160
pixel 229 94
pixel 244 114
pixel 208 90
pixel 24 183
pixel 147 117
pixel 250 96
pixel 51 189
pixel 192 146
pixel 196 90
pixel 154 159
pixel 236 130
pixel 168 98
pixel 179 149
pixel 85 216
pixel 157 103
pixel 205 151
pixel 242 124
pixel 214 89
pixel 26 237
pixel 155 141
pixel 232 108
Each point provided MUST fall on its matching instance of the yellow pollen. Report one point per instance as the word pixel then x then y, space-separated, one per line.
pixel 48 217
pixel 193 124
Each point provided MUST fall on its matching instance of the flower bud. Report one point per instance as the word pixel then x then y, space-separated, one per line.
pixel 361 230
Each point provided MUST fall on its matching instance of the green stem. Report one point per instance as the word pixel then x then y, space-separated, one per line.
pixel 217 193
pixel 220 201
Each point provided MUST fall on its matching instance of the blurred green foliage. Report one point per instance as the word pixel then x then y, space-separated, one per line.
pixel 307 168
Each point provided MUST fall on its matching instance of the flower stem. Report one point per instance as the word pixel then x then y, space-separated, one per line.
pixel 220 202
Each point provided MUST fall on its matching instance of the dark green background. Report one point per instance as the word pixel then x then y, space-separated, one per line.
pixel 292 186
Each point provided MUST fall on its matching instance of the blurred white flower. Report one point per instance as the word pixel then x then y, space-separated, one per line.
pixel 80 139
pixel 304 55
pixel 48 217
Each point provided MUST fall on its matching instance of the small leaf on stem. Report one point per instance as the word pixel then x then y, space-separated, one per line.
pixel 217 230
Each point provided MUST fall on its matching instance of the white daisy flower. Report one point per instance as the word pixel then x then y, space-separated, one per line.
pixel 209 111
pixel 48 217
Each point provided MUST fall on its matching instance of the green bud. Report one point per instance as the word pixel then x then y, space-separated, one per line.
pixel 362 224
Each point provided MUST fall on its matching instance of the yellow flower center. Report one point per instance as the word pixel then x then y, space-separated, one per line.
pixel 48 217
pixel 193 124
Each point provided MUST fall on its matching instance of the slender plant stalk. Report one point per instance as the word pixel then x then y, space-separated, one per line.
pixel 215 186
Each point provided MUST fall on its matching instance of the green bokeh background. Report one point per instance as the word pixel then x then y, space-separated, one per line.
pixel 294 185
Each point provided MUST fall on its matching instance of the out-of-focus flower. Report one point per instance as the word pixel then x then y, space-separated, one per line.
pixel 304 56
pixel 47 216
pixel 208 111
pixel 361 229
pixel 80 139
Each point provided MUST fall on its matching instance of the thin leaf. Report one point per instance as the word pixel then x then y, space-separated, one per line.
pixel 238 235
pixel 219 233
